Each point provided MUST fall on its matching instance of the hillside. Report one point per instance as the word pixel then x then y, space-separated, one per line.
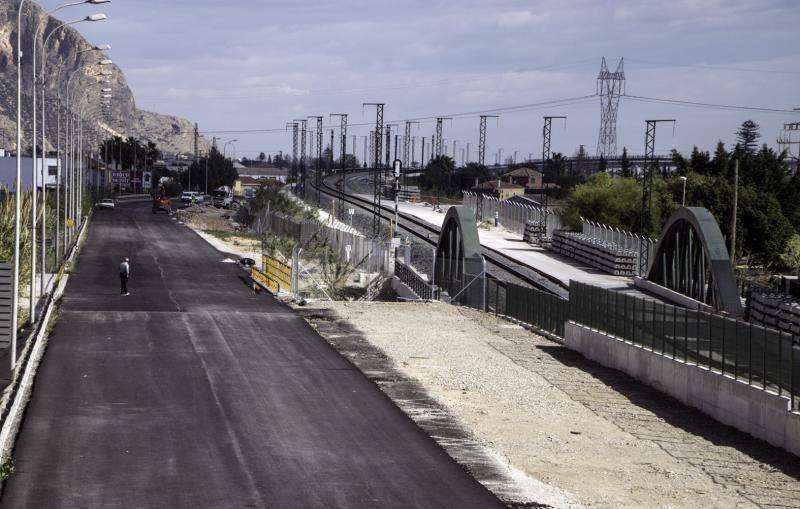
pixel 171 134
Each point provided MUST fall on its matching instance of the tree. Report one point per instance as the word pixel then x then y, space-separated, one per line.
pixel 220 172
pixel 438 175
pixel 262 157
pixel 625 164
pixel 748 135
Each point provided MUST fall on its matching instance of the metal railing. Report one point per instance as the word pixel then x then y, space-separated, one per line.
pixel 759 356
pixel 361 252
pixel 411 278
pixel 544 311
pixel 513 215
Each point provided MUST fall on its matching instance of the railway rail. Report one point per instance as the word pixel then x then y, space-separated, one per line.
pixel 496 262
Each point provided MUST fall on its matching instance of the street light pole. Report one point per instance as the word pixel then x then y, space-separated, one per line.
pixel 44 170
pixel 17 197
pixel 683 198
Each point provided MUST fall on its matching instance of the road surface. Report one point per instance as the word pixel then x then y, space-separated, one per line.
pixel 194 392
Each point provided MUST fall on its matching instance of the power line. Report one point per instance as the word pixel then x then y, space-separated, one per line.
pixel 681 102
pixel 476 113
pixel 715 67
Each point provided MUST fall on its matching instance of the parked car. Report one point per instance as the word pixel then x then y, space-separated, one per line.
pixel 107 203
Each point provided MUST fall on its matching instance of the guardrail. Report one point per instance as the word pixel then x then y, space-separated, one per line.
pixel 759 356
pixel 411 278
pixel 512 215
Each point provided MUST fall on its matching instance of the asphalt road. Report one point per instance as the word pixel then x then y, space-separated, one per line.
pixel 194 392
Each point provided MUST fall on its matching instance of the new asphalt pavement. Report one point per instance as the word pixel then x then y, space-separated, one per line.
pixel 195 392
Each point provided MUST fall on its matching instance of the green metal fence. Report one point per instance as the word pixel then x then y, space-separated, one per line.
pixel 543 310
pixel 760 356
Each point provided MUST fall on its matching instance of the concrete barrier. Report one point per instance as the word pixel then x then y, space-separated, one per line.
pixel 760 413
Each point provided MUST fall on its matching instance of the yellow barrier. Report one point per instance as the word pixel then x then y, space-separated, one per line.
pixel 277 271
pixel 265 280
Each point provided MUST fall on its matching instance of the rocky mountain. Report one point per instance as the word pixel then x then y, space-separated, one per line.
pixel 69 53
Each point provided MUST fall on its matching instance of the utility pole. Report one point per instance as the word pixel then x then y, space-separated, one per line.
pixel 422 156
pixel 546 134
pixel 303 127
pixel 454 150
pixel 332 139
pixel 196 137
pixel 407 141
pixel 647 189
pixel 396 144
pixel 466 160
pixel 389 144
pixel 294 126
pixel 376 218
pixel 439 121
pixel 343 128
pixel 482 139
pixel 366 147
pixel 735 211
pixel 318 166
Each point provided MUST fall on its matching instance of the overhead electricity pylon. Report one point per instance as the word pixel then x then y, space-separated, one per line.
pixel 294 126
pixel 610 87
pixel 482 139
pixel 407 143
pixel 439 121
pixel 647 188
pixel 318 166
pixel 376 209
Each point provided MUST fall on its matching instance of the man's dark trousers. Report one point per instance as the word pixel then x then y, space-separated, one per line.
pixel 123 279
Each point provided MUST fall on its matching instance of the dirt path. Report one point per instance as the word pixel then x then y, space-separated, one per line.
pixel 590 434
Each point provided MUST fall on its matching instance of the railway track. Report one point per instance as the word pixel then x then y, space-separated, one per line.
pixel 497 262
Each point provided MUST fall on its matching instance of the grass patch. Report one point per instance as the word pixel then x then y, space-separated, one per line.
pixel 226 235
pixel 7 469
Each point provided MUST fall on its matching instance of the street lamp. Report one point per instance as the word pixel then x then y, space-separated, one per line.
pixel 224 147
pixel 91 18
pixel 683 199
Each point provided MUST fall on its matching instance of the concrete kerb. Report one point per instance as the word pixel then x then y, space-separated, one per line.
pixel 760 413
pixel 24 375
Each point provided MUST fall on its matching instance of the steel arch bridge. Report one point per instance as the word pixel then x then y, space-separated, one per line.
pixel 459 264
pixel 692 259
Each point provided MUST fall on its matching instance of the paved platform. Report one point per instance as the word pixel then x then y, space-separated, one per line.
pixel 195 392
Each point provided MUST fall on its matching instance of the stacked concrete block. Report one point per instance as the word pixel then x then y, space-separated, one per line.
pixel 606 256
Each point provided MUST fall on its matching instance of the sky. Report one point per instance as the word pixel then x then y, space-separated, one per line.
pixel 244 65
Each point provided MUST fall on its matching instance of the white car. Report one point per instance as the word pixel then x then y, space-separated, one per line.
pixel 107 203
pixel 191 196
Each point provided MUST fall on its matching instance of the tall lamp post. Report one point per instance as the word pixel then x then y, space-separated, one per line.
pixel 44 171
pixel 683 196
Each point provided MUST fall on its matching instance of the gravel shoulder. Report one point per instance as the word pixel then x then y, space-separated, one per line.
pixel 565 431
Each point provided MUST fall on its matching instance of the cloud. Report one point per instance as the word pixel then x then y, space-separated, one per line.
pixel 514 19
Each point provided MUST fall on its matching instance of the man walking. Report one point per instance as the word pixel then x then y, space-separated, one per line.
pixel 124 273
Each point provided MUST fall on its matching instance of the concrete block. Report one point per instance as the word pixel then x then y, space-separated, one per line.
pixel 791 434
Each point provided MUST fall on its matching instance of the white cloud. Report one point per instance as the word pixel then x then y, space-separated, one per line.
pixel 515 19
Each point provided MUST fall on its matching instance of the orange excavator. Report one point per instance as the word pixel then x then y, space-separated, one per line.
pixel 161 201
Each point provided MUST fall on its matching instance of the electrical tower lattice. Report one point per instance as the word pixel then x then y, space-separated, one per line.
pixel 376 209
pixel 610 87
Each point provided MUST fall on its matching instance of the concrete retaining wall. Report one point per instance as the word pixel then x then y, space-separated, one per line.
pixel 759 413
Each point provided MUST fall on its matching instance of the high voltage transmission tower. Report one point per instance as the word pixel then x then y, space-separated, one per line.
pixel 482 139
pixel 376 218
pixel 610 87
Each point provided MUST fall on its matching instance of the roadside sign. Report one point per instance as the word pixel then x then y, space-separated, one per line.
pixel 398 167
pixel 351 211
